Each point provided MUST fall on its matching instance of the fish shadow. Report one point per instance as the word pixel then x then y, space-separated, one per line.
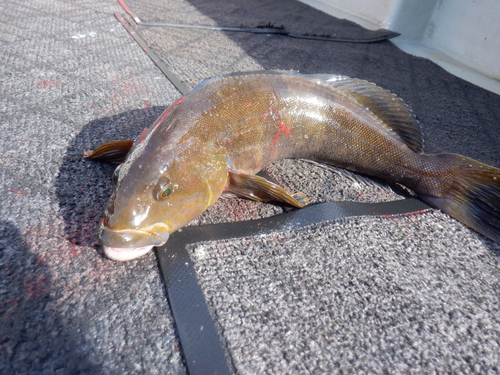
pixel 31 331
pixel 84 186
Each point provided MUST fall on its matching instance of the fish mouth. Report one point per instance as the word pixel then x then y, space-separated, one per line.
pixel 127 244
pixel 122 254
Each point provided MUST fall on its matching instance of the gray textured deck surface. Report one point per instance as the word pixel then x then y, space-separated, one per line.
pixel 416 294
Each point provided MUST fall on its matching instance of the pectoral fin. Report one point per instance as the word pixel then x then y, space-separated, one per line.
pixel 112 152
pixel 259 189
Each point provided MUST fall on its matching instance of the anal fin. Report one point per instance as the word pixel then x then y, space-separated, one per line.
pixel 260 189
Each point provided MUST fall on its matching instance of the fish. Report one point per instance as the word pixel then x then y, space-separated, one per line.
pixel 213 141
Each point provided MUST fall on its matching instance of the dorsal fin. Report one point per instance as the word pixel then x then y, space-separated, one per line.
pixel 385 105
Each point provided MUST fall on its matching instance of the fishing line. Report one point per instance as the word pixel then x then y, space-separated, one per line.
pixel 379 35
pixel 267 29
pixel 153 56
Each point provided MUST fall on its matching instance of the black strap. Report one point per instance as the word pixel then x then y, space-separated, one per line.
pixel 199 341
pixel 198 337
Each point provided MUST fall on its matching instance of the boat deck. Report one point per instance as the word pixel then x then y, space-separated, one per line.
pixel 391 294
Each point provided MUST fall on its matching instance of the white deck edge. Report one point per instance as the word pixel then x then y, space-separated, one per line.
pixel 417 49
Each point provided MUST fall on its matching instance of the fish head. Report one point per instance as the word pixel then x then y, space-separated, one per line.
pixel 157 193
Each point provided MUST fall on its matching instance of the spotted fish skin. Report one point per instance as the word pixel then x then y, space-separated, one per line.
pixel 228 128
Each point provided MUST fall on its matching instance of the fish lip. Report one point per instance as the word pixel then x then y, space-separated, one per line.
pixel 125 254
pixel 130 238
pixel 128 244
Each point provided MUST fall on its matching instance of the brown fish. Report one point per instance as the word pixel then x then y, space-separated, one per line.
pixel 213 141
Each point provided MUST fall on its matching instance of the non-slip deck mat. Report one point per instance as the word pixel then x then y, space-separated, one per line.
pixel 414 294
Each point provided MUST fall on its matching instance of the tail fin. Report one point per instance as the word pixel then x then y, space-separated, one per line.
pixel 473 197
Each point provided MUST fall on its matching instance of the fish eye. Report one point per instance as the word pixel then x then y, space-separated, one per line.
pixel 163 189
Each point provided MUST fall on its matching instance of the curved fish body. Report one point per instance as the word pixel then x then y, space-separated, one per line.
pixel 214 140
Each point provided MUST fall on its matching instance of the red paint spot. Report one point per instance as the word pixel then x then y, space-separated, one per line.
pixel 115 99
pixel 230 143
pixel 75 251
pixel 145 105
pixel 275 139
pixel 41 259
pixel 35 285
pixel 248 105
pixel 414 213
pixel 129 87
pixel 20 193
pixel 282 128
pixel 48 83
